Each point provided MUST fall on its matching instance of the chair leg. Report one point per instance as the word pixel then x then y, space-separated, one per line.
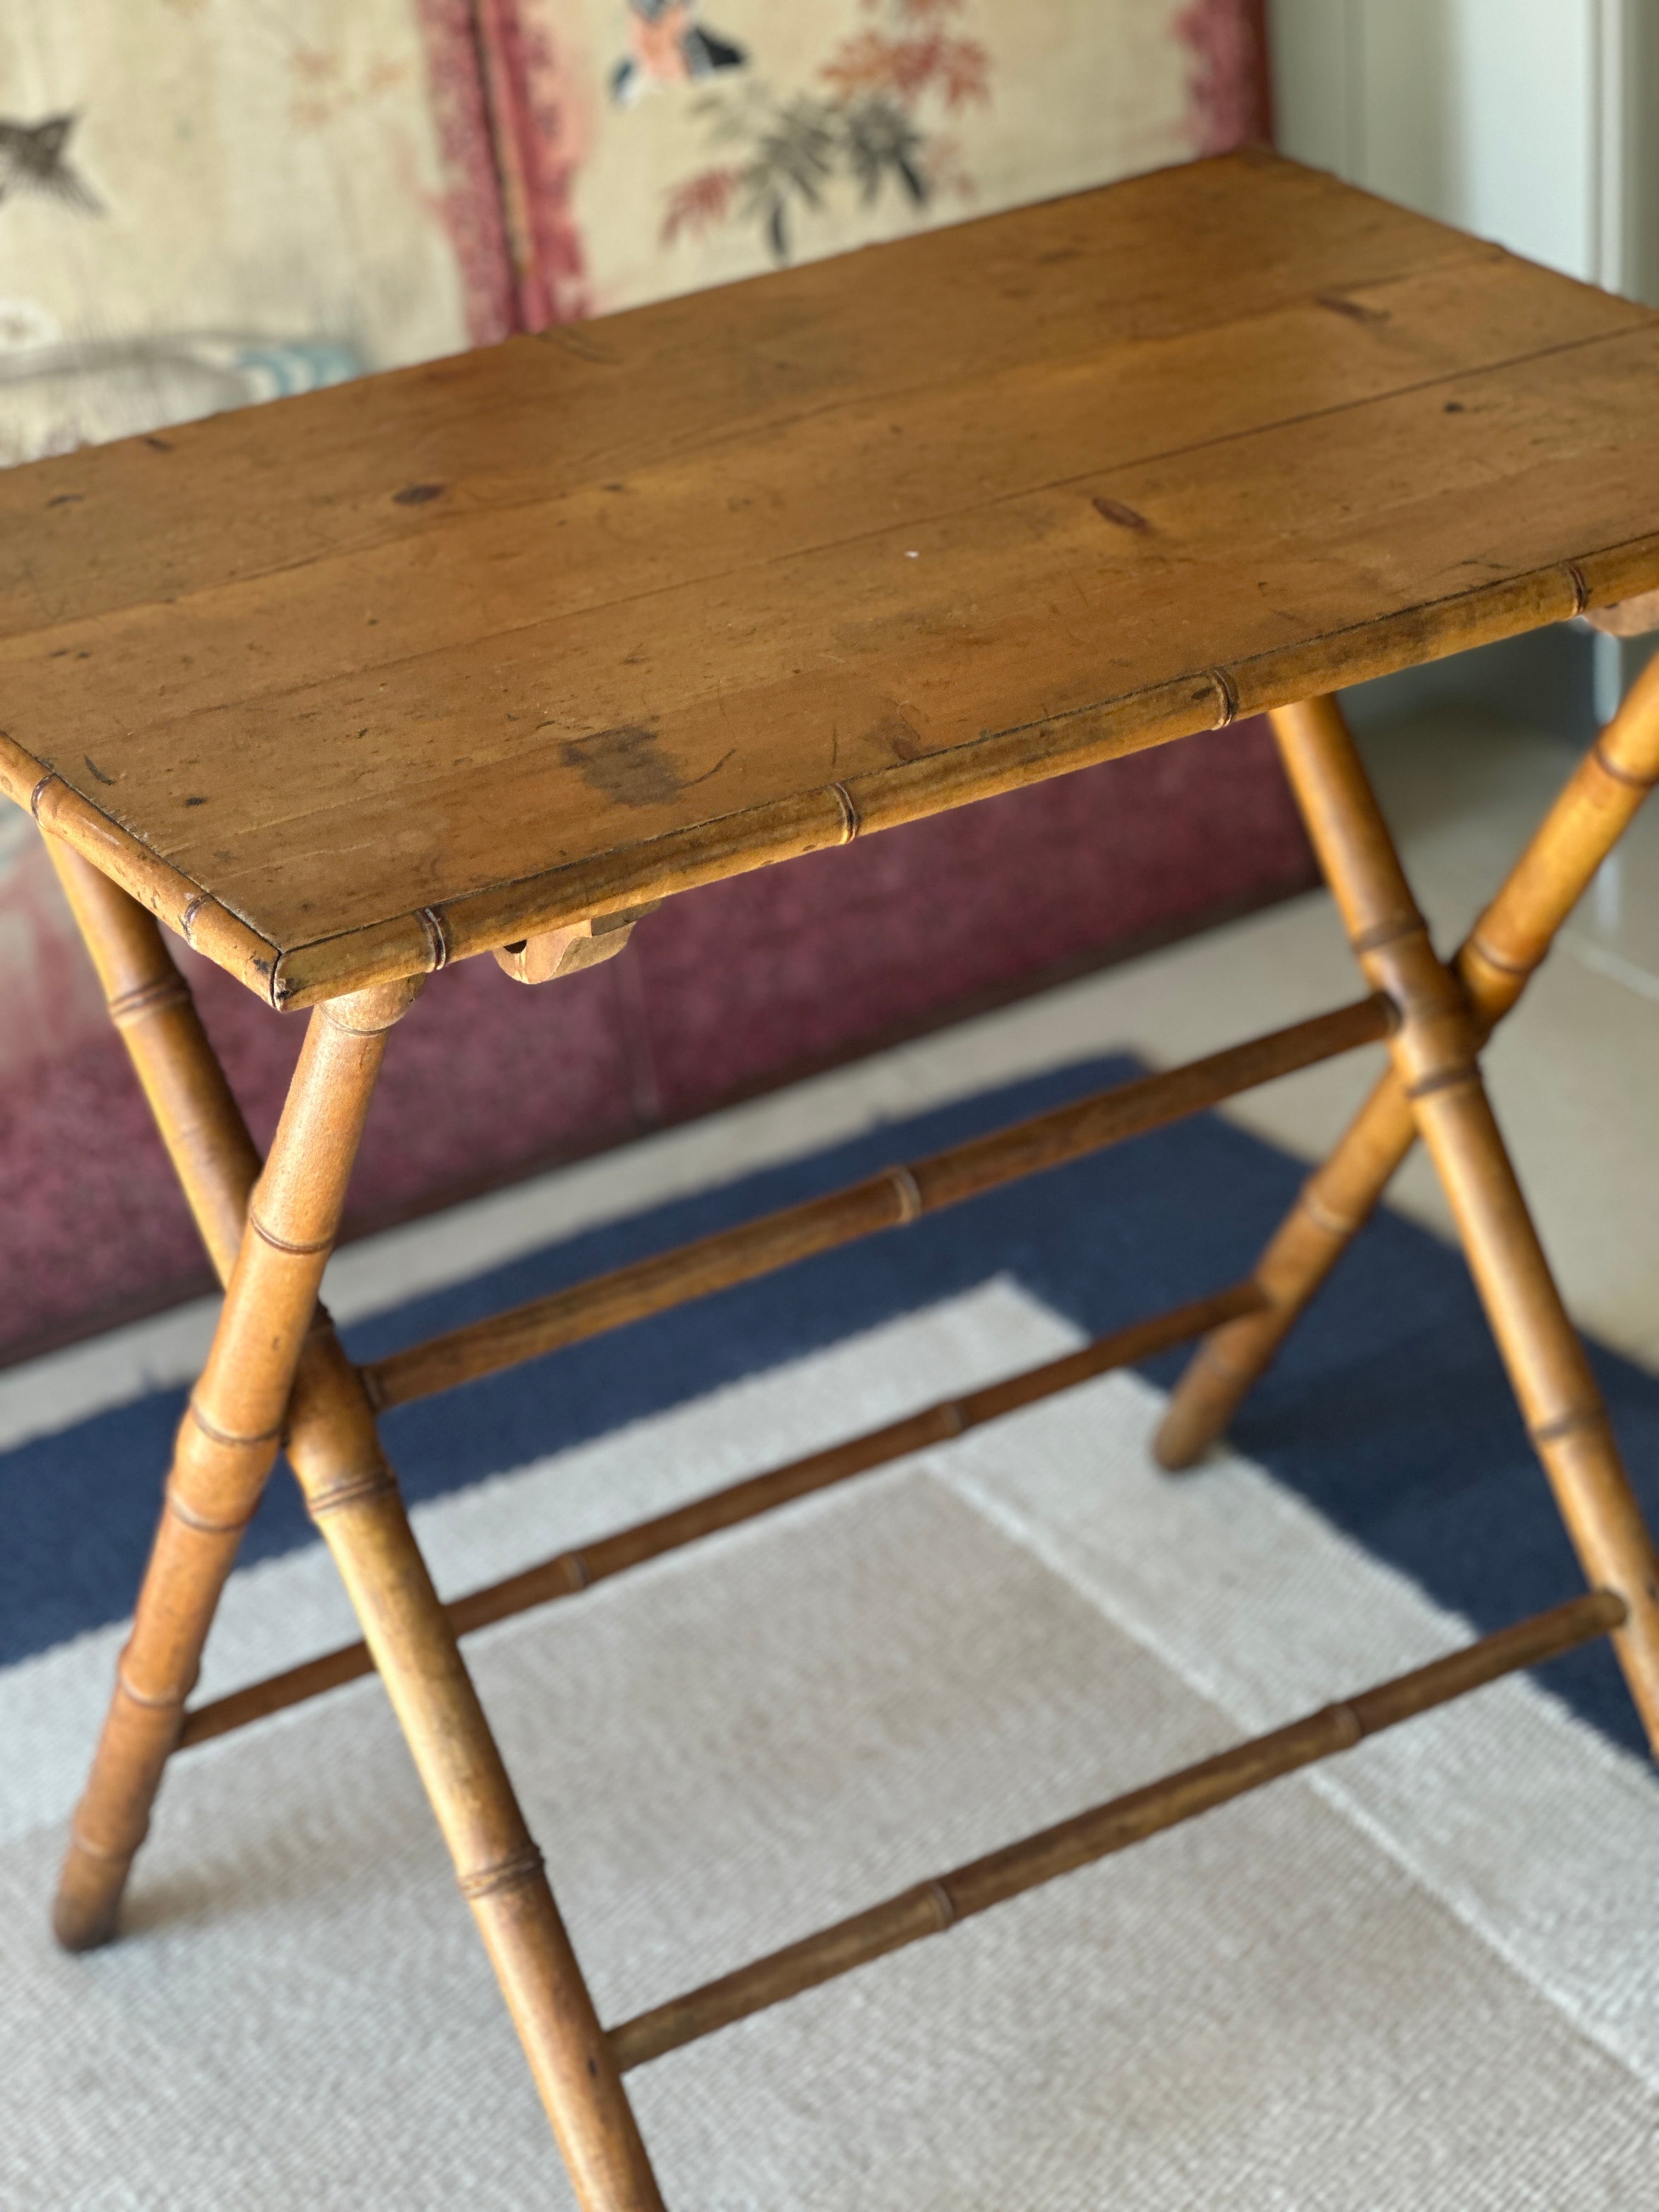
pixel 1506 945
pixel 1435 1052
pixel 226 1446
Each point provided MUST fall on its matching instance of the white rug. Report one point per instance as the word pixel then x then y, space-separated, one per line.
pixel 1426 1977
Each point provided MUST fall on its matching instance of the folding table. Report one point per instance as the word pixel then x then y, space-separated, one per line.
pixel 496 654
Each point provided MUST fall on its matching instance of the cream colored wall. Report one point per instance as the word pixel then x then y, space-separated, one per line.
pixel 1533 122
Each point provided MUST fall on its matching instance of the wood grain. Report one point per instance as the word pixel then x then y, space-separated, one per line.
pixel 572 624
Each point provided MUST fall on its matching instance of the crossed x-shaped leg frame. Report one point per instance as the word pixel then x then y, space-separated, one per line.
pixel 275 1377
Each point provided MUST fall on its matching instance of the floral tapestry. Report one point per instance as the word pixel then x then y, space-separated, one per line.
pixel 207 203
pixel 659 145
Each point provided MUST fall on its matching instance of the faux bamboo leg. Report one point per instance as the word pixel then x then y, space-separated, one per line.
pixel 227 1444
pixel 200 1123
pixel 1505 946
pixel 353 1496
pixel 1434 1056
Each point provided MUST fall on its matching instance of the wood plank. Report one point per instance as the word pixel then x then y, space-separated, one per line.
pixel 867 528
pixel 1031 607
pixel 264 489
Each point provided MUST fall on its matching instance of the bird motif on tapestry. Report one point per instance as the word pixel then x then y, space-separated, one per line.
pixel 32 159
pixel 667 45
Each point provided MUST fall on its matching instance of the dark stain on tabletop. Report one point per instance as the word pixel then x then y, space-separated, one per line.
pixel 418 495
pixel 94 769
pixel 627 764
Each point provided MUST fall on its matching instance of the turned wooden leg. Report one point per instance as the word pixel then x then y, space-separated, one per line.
pixel 1435 1058
pixel 1501 952
pixel 227 1444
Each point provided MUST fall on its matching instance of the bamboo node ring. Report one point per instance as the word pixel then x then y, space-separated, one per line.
pixel 910 1195
pixel 1227 691
pixel 944 1905
pixel 1444 1079
pixel 152 1702
pixel 36 794
pixel 210 1428
pixel 1483 950
pixel 851 820
pixel 117 1854
pixel 1570 1424
pixel 1210 1354
pixel 577 1568
pixel 1348 1724
pixel 350 1490
pixel 130 1008
pixel 200 1522
pixel 436 932
pixel 1326 1216
pixel 1580 583
pixel 1382 934
pixel 300 1250
pixel 186 920
pixel 1610 767
pixel 507 1874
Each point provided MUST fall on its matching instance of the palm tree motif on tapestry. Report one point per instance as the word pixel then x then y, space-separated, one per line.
pixel 865 127
pixel 32 159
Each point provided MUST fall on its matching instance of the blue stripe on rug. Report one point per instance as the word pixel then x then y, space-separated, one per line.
pixel 1388 1411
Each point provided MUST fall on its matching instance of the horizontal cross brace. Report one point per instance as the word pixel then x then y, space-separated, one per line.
pixel 567 1572
pixel 931 1907
pixel 885 1202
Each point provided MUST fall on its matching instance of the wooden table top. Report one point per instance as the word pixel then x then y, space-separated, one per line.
pixel 415 666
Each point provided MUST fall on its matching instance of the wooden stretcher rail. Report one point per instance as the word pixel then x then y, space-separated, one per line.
pixel 567 1572
pixel 884 1202
pixel 931 1907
